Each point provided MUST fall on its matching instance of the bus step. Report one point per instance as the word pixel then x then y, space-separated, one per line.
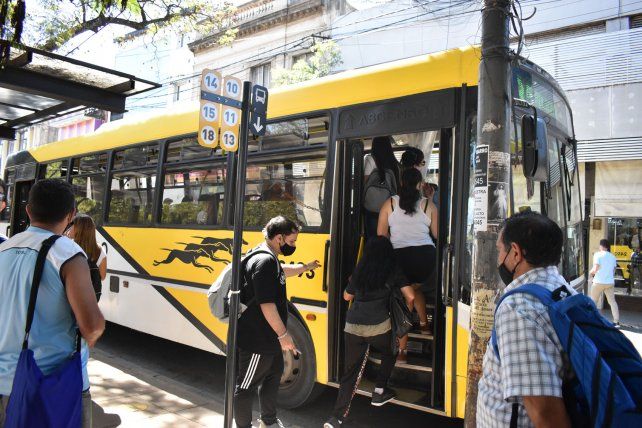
pixel 417 399
pixel 418 334
pixel 419 363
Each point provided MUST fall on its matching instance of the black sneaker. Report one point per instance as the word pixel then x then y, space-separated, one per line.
pixel 332 423
pixel 381 399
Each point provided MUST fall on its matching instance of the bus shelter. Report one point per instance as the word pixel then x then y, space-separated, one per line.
pixel 37 85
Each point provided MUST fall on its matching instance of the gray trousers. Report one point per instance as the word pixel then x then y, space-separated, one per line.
pixel 86 409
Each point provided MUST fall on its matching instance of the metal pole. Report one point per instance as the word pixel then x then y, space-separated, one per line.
pixel 493 131
pixel 239 199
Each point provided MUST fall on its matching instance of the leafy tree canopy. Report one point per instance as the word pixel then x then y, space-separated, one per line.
pixel 49 24
pixel 326 56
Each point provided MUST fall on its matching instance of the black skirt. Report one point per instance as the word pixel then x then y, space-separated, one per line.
pixel 417 263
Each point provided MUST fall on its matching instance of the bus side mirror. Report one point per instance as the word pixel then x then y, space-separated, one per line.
pixel 534 148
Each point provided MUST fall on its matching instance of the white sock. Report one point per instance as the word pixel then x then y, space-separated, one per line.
pixel 378 390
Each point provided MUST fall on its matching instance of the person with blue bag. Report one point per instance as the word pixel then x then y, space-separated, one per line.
pixel 47 303
pixel 552 359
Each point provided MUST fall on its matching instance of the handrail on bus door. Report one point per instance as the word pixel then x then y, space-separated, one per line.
pixel 324 279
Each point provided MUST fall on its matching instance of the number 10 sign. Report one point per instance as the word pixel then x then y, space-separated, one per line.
pixel 219 115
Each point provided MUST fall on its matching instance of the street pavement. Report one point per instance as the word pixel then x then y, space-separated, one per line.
pixel 138 380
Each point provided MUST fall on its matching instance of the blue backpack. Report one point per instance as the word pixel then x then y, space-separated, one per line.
pixel 607 388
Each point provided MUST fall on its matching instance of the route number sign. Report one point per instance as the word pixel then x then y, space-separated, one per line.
pixel 210 112
pixel 231 116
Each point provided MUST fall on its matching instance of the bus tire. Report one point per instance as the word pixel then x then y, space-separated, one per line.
pixel 298 382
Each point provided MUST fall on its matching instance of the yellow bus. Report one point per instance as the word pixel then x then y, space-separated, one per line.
pixel 163 208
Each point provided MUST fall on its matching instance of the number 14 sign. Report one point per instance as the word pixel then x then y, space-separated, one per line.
pixel 219 116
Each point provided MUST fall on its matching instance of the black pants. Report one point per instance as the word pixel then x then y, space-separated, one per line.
pixel 355 359
pixel 262 372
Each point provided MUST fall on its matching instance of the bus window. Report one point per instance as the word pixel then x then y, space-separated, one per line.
pixel 188 149
pixel 57 169
pixel 194 195
pixel 295 133
pixel 137 157
pixel 573 255
pixel 132 196
pixel 88 181
pixel 555 199
pixel 292 188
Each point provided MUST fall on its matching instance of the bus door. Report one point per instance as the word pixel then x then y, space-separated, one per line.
pixel 350 186
pixel 19 200
pixel 414 381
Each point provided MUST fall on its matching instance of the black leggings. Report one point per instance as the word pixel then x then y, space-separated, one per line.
pixel 417 263
pixel 356 356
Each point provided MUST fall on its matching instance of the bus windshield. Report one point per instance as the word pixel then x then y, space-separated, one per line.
pixel 541 94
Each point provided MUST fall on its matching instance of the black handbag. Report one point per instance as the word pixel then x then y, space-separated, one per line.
pixel 400 315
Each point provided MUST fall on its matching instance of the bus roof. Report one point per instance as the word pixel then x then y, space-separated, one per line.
pixel 424 73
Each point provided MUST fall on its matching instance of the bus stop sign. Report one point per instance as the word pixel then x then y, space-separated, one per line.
pixel 259 110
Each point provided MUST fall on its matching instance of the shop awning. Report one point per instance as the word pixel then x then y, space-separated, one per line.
pixel 36 85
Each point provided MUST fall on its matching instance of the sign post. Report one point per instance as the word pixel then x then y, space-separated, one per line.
pixel 235 141
pixel 226 102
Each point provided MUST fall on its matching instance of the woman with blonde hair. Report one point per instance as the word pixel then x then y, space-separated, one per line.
pixel 83 230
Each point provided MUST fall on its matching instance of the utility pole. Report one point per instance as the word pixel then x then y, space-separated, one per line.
pixel 492 184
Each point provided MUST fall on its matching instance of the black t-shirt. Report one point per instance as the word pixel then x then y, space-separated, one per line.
pixel 266 284
pixel 372 307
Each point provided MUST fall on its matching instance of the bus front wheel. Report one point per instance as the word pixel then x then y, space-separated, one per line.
pixel 299 372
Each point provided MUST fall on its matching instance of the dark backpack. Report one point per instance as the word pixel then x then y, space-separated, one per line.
pixel 607 388
pixel 96 281
pixel 376 192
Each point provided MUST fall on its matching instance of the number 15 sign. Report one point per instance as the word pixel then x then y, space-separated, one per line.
pixel 219 116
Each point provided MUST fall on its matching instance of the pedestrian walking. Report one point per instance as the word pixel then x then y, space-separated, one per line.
pixel 521 385
pixel 368 324
pixel 83 231
pixel 409 220
pixel 381 178
pixel 63 303
pixel 262 328
pixel 603 272
pixel 635 272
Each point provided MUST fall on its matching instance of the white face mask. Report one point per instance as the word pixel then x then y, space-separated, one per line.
pixel 423 169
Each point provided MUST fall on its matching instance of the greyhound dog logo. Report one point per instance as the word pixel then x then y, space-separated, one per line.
pixel 208 247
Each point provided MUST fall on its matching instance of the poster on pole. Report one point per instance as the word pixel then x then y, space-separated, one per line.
pixel 230 116
pixel 498 186
pixel 210 112
pixel 480 192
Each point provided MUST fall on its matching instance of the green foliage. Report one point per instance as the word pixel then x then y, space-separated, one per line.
pixel 58 21
pixel 258 213
pixel 326 56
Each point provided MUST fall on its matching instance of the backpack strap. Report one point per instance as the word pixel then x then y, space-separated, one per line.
pixel 426 206
pixel 532 289
pixel 244 265
pixel 35 284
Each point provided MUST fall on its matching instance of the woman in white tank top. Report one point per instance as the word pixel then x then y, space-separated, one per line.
pixel 409 220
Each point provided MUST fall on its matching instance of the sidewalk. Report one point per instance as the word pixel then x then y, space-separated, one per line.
pixel 123 399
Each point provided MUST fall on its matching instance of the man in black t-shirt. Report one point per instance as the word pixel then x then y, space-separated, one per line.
pixel 262 331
